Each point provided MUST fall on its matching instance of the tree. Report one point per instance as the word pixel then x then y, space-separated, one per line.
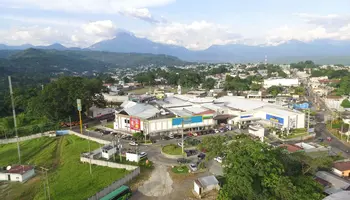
pixel 254 170
pixel 299 91
pixel 126 79
pixel 209 83
pixel 58 99
pixel 345 103
pixel 274 90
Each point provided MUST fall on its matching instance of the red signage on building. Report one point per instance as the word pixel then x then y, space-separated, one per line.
pixel 135 123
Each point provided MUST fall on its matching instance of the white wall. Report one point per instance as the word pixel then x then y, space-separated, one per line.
pixel 196 188
pixel 132 157
pixel 257 131
pixel 288 82
pixel 3 177
pixel 109 153
pixel 337 172
pixel 156 125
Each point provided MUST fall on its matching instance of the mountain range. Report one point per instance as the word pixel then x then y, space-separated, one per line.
pixel 322 51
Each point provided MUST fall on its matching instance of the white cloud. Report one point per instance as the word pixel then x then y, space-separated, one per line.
pixel 85 6
pixel 139 13
pixel 34 34
pixel 330 22
pixel 82 36
pixel 104 28
pixel 196 35
pixel 42 21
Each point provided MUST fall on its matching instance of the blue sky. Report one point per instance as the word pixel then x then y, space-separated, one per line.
pixel 195 24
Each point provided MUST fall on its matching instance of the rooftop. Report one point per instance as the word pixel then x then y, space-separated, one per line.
pixel 19 169
pixel 107 147
pixel 207 181
pixel 338 183
pixel 291 148
pixel 342 166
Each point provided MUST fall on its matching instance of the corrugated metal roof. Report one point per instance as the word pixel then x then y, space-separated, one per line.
pixel 208 181
pixel 337 182
pixel 143 111
pixel 240 103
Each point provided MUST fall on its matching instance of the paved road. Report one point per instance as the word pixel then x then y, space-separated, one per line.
pixel 335 143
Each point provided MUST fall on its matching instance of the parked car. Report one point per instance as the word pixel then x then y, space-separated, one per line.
pixel 218 159
pixel 183 160
pixel 180 144
pixel 171 136
pixel 195 134
pixel 164 137
pixel 320 139
pixel 106 132
pixel 177 136
pixel 216 130
pixel 133 143
pixel 97 130
pixel 193 167
pixel 129 137
pixel 143 154
pixel 201 156
pixel 191 152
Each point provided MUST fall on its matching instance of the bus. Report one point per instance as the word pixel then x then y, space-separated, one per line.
pixel 122 193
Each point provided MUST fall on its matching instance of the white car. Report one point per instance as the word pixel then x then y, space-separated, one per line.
pixel 171 136
pixel 180 144
pixel 218 159
pixel 193 167
pixel 133 143
pixel 143 154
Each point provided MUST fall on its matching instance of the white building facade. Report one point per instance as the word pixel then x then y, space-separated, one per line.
pixel 285 82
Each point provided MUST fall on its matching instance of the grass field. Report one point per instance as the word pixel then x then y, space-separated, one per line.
pixel 68 178
pixel 172 149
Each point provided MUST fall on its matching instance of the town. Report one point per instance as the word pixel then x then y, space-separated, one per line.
pixel 164 121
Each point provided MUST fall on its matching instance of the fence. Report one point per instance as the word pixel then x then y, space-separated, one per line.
pixel 100 141
pixel 107 164
pixel 21 139
pixel 115 185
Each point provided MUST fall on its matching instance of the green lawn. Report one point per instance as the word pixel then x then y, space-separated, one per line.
pixel 172 149
pixel 180 169
pixel 68 178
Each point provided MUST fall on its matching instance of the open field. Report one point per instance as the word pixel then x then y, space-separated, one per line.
pixel 68 178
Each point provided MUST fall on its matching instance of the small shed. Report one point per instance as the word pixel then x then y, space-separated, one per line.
pixel 108 151
pixel 205 184
pixel 133 157
pixel 18 173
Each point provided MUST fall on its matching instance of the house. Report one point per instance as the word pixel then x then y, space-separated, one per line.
pixel 342 195
pixel 341 168
pixel 331 182
pixel 205 184
pixel 19 173
pixel 108 151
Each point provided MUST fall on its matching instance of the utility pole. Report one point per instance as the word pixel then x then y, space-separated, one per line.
pixel 182 136
pixel 14 119
pixel 308 121
pixel 80 120
pixel 46 183
pixel 70 123
pixel 89 154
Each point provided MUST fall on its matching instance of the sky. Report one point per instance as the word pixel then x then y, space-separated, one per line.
pixel 194 24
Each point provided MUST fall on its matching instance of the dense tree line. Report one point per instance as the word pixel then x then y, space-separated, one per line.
pixel 303 65
pixel 255 170
pixel 39 108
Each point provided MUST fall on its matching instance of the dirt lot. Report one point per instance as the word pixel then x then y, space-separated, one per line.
pixel 163 184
